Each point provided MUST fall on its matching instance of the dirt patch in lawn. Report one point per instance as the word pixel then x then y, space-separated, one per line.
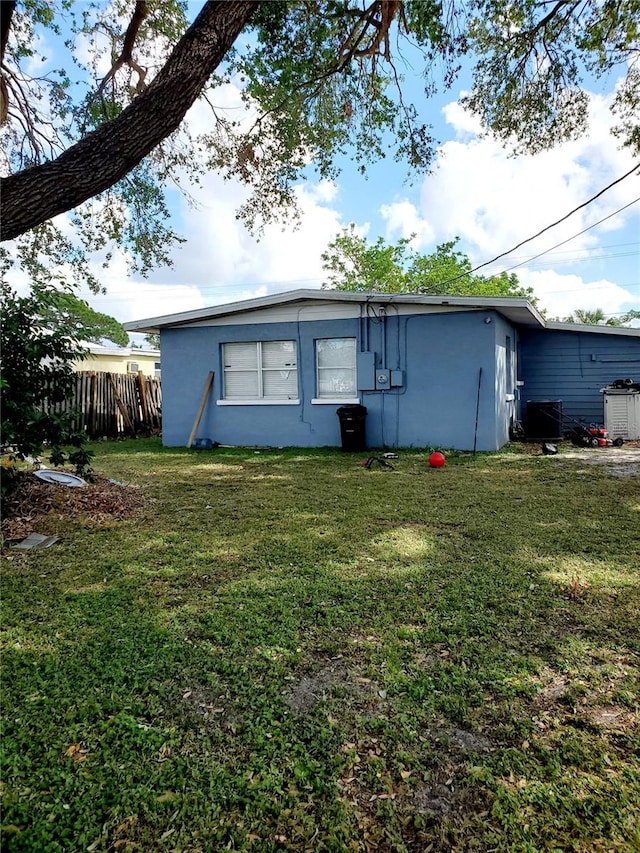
pixel 611 717
pixel 38 506
pixel 206 704
pixel 314 687
pixel 432 807
pixel 553 689
pixel 463 741
pixel 618 461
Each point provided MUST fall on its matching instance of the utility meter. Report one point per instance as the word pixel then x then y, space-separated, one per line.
pixel 383 379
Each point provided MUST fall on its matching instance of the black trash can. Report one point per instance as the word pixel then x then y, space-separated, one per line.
pixel 544 420
pixel 352 427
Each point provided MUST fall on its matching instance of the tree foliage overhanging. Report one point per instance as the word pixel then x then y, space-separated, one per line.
pixel 284 85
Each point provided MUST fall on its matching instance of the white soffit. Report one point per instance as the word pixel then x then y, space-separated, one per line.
pixel 285 314
pixel 302 305
pixel 323 311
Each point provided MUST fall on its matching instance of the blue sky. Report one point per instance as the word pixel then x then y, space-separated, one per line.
pixel 475 191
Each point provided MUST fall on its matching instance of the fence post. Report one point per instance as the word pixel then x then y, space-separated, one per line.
pixel 144 405
pixel 120 404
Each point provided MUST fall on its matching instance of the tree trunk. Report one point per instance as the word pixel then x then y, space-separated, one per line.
pixel 106 155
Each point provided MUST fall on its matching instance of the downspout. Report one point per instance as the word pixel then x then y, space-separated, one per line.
pixel 366 324
pixel 383 330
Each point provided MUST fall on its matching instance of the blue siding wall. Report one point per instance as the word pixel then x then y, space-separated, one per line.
pixel 573 367
pixel 438 405
pixel 440 356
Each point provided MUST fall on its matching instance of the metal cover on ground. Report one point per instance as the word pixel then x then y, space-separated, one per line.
pixel 36 540
pixel 60 477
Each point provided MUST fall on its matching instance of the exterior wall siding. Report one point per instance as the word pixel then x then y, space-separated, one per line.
pixel 573 367
pixel 439 355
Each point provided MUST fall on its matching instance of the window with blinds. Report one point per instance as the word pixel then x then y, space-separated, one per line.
pixel 336 368
pixel 260 370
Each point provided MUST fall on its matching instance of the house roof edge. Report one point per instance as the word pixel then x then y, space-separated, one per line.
pixel 154 324
pixel 629 331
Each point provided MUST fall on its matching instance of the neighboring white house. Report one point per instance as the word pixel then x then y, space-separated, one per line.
pixel 121 360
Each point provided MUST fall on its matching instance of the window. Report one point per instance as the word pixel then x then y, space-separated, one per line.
pixel 336 368
pixel 156 369
pixel 258 371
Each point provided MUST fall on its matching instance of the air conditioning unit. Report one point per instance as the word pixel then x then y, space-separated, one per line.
pixel 133 367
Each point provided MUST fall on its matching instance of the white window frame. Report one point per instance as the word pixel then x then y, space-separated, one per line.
pixel 328 400
pixel 260 400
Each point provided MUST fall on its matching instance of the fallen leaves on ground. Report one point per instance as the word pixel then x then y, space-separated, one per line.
pixel 38 506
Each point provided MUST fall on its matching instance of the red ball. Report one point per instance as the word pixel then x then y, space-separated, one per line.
pixel 437 460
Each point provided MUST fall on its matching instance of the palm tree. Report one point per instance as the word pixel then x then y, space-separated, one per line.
pixel 593 317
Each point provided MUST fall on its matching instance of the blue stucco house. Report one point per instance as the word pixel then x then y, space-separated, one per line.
pixel 440 371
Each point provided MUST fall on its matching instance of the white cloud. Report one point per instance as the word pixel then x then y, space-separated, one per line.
pixel 403 220
pixel 560 294
pixel 465 122
pixel 494 201
pixel 324 191
pixel 223 260
pixel 129 299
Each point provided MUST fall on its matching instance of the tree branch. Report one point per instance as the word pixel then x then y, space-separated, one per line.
pixel 379 16
pixel 349 49
pixel 106 155
pixel 140 12
pixel 6 14
pixel 7 8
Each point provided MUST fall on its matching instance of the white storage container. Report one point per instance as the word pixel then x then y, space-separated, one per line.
pixel 622 413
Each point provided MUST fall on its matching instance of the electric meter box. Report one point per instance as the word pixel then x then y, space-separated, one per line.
pixel 383 379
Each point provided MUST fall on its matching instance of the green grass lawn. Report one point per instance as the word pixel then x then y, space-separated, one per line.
pixel 286 651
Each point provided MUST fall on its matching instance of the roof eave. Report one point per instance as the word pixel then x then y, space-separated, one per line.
pixel 528 315
pixel 593 328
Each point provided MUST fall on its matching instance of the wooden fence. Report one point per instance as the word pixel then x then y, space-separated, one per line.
pixel 114 404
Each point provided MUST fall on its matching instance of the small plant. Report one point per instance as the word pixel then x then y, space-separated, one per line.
pixel 9 474
pixel 576 587
pixel 80 457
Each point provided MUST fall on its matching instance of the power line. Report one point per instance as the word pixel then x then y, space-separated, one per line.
pixel 575 260
pixel 604 246
pixel 547 228
pixel 569 239
pixel 609 246
pixel 587 289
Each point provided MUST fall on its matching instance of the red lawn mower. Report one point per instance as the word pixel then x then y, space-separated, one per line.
pixel 592 436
